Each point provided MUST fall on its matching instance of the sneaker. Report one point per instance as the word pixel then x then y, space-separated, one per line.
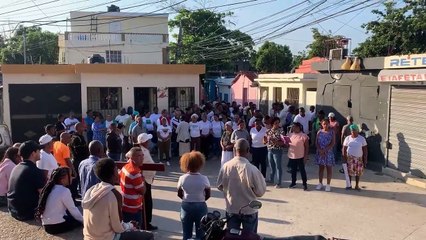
pixel 168 163
pixel 319 186
pixel 349 188
pixel 293 185
pixel 327 188
pixel 277 186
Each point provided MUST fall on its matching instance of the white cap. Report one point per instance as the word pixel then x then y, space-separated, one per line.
pixel 229 123
pixel 45 139
pixel 331 115
pixel 143 137
pixel 194 115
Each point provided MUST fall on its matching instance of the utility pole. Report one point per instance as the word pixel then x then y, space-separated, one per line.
pixel 179 43
pixel 25 46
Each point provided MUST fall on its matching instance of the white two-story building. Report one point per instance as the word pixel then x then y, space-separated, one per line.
pixel 119 37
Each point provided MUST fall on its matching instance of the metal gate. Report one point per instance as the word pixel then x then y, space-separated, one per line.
pixel 407 134
pixel 32 106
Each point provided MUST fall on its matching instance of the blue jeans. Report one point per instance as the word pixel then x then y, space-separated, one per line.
pixel 249 222
pixel 190 214
pixel 275 158
pixel 114 156
pixel 127 217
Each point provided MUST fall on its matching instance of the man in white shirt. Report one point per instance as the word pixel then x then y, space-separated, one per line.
pixel 302 119
pixel 70 122
pixel 241 182
pixel 47 161
pixel 155 115
pixel 122 117
pixel 143 141
pixel 195 133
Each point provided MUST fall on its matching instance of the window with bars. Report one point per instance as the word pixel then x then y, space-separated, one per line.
pixel 106 100
pixel 181 97
pixel 113 56
pixel 293 96
pixel 278 94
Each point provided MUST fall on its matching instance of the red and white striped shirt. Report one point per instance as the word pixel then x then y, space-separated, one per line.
pixel 131 181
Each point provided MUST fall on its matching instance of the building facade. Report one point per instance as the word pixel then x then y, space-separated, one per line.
pixel 298 88
pixel 119 37
pixel 244 88
pixel 35 94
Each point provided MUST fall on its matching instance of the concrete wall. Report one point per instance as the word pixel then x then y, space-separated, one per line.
pixel 130 81
pixel 135 22
pixel 237 90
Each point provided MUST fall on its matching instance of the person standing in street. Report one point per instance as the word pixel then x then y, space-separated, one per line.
pixel 194 190
pixel 241 182
pixel 70 122
pixel 132 185
pixel 258 147
pixel 355 154
pixel 88 120
pixel 226 144
pixel 114 142
pixel 164 133
pixel 195 133
pixel 298 154
pixel 143 141
pixel 324 157
pixel 79 152
pixel 275 145
pixel 85 169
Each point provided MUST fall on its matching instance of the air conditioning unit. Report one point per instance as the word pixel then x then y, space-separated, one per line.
pixel 336 54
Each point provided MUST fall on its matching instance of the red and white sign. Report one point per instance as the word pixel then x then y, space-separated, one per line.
pixel 414 75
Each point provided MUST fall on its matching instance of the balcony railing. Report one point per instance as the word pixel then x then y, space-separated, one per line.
pixel 116 37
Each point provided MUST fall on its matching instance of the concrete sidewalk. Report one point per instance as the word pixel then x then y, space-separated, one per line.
pixel 385 209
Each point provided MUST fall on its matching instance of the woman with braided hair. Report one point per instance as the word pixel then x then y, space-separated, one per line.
pixel 55 201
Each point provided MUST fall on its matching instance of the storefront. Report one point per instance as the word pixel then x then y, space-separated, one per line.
pixel 403 83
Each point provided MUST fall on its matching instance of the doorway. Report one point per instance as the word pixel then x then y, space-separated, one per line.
pixel 145 99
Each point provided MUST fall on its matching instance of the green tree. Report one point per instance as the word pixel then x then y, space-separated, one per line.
pixel 205 39
pixel 42 47
pixel 297 59
pixel 322 44
pixel 274 58
pixel 396 30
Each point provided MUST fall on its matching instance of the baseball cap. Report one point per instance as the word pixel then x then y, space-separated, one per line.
pixel 28 147
pixel 331 115
pixel 45 139
pixel 143 137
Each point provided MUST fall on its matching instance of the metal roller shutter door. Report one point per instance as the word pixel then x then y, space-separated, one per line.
pixel 407 131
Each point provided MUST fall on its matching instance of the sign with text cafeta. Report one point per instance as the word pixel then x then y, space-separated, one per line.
pixel 406 61
pixel 406 75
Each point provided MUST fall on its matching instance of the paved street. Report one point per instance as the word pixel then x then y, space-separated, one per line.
pixel 384 209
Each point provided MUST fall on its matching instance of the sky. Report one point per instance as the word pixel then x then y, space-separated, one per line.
pixel 280 21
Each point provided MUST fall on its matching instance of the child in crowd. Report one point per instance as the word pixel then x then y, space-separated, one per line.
pixel 55 200
pixel 194 190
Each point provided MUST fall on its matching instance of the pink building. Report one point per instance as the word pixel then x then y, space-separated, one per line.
pixel 244 88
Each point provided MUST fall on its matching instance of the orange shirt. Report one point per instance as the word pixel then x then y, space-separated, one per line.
pixel 61 152
pixel 131 181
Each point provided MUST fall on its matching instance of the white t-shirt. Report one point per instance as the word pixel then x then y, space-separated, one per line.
pixel 205 127
pixel 154 117
pixel 355 145
pixel 149 125
pixel 58 201
pixel 47 162
pixel 194 129
pixel 122 119
pixel 108 123
pixel 251 121
pixel 304 121
pixel 257 137
pixel 71 122
pixel 217 128
pixel 164 131
pixel 193 185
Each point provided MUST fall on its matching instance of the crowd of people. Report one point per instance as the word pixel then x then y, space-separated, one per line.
pixel 77 160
